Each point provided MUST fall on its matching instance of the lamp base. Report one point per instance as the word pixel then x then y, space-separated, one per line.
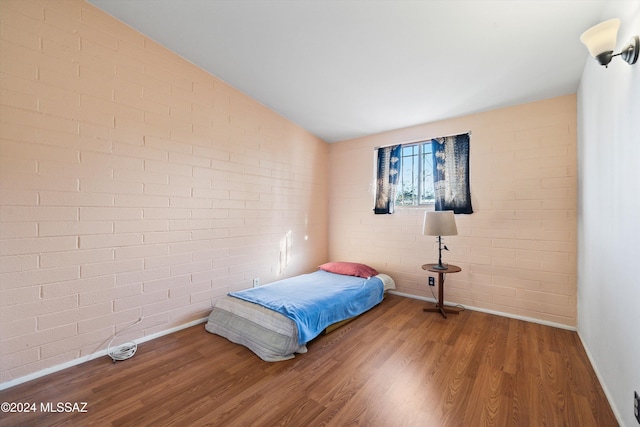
pixel 440 267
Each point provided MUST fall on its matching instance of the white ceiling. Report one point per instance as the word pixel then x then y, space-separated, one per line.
pixel 348 68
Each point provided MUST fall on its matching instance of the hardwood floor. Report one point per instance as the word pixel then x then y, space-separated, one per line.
pixel 393 366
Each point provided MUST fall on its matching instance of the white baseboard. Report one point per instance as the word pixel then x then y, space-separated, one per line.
pixel 74 362
pixel 616 413
pixel 497 313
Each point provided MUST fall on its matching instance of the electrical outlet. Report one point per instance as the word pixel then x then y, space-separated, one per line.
pixel 432 281
pixel 256 282
pixel 636 405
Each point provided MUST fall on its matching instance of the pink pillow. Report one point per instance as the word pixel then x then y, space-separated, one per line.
pixel 349 269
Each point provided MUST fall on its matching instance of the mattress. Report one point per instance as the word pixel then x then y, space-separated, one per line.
pixel 270 335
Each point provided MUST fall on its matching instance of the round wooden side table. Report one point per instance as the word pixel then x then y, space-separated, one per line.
pixel 450 268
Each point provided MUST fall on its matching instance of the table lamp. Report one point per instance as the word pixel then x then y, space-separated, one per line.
pixel 439 223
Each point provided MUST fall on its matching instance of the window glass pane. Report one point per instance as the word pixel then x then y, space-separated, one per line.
pixel 426 174
pixel 407 193
pixel 415 182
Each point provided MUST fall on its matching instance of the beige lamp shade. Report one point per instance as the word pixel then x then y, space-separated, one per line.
pixel 602 37
pixel 440 223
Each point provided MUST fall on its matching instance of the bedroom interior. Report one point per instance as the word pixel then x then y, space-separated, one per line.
pixel 137 186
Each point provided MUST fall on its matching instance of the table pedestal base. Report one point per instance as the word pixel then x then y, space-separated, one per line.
pixel 443 310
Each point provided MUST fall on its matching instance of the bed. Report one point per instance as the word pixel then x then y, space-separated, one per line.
pixel 277 320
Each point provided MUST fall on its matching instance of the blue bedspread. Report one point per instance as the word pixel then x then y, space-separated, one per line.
pixel 316 300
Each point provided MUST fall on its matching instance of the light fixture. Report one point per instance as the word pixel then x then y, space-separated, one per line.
pixel 440 223
pixel 601 41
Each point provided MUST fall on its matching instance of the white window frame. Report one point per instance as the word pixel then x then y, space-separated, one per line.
pixel 421 171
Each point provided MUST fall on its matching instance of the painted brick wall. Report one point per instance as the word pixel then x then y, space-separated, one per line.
pixel 132 184
pixel 517 250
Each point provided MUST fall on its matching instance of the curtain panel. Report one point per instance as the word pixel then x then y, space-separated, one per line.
pixel 387 179
pixel 451 174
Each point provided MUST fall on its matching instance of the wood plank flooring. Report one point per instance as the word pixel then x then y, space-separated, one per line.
pixel 392 366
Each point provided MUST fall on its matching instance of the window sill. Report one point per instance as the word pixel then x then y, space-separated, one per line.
pixel 426 205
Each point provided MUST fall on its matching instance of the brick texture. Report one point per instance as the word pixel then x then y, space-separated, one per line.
pixel 517 250
pixel 133 183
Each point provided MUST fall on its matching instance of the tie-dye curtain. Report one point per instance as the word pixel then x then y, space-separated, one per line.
pixel 451 174
pixel 387 179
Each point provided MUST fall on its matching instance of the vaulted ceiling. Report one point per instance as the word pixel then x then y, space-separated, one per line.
pixel 349 68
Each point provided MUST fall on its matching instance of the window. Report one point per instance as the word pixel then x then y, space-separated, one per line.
pixel 415 181
pixel 426 172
